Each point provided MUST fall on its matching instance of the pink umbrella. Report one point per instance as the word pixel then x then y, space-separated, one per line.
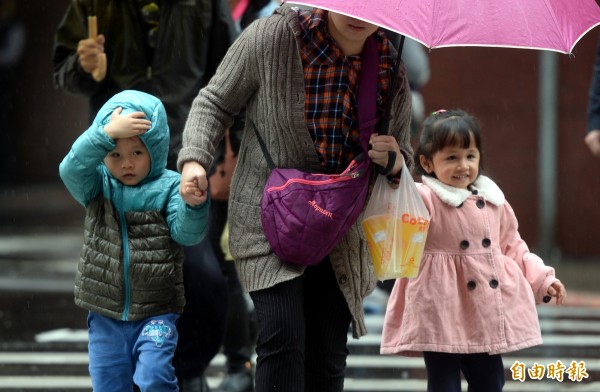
pixel 554 25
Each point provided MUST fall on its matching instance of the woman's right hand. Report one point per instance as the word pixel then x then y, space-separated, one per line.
pixel 193 173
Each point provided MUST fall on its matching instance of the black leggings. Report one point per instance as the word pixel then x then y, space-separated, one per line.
pixel 483 372
pixel 203 320
pixel 302 333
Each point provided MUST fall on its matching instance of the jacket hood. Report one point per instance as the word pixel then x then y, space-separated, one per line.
pixel 156 138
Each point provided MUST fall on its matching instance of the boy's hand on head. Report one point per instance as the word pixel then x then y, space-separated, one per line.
pixel 380 145
pixel 194 184
pixel 129 125
pixel 88 50
pixel 558 291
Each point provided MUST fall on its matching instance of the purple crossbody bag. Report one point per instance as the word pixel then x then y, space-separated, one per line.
pixel 305 215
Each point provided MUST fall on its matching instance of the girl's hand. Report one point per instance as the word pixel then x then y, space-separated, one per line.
pixel 558 291
pixel 380 145
pixel 129 125
pixel 194 184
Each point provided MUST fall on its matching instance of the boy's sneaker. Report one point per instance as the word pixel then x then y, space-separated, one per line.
pixel 195 384
pixel 237 382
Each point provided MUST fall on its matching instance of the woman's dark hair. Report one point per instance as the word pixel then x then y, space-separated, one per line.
pixel 447 128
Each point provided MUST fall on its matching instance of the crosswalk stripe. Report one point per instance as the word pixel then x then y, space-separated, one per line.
pixel 66 383
pixel 45 382
pixel 358 361
pixel 58 360
pixel 554 339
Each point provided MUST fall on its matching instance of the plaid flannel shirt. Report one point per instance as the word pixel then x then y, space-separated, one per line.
pixel 331 81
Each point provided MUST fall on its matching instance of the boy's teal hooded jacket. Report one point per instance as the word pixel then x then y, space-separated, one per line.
pixel 131 264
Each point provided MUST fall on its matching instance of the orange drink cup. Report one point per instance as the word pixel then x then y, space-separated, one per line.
pixel 396 251
pixel 375 231
pixel 409 247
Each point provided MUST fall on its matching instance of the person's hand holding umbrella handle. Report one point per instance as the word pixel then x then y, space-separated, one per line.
pixel 91 52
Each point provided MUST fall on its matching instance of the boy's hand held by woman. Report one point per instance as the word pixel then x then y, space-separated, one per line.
pixel 194 184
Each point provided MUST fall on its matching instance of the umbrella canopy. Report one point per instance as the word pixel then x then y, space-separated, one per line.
pixel 554 25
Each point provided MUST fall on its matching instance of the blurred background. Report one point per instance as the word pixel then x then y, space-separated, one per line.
pixel 532 110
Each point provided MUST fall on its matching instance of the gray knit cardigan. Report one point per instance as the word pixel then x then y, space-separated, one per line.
pixel 263 71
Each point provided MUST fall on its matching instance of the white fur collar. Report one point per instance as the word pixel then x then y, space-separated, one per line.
pixel 456 196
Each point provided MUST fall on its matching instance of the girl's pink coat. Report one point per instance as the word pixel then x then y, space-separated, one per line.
pixel 441 311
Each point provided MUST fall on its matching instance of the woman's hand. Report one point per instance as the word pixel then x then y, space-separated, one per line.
pixel 194 184
pixel 129 125
pixel 380 145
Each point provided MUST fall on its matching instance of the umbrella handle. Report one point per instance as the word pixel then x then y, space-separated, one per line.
pixel 384 125
pixel 92 26
pixel 398 42
pixel 387 170
pixel 99 73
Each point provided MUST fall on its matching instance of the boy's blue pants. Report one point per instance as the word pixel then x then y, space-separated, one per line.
pixel 124 352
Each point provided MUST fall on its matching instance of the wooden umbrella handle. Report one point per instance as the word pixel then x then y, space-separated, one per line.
pixel 99 73
pixel 92 26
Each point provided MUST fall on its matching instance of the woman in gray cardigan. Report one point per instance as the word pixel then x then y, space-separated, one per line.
pixel 281 70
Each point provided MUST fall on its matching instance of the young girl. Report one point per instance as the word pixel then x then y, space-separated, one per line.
pixel 478 285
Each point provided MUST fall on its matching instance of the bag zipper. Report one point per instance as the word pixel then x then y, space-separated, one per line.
pixel 344 176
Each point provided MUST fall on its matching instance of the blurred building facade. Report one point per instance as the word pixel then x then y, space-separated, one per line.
pixel 499 86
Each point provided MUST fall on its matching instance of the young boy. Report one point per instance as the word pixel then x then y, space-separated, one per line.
pixel 130 271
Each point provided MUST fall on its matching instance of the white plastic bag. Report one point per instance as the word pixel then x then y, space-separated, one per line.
pixel 395 223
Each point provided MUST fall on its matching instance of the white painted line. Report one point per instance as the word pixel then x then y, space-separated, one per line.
pixel 554 339
pixel 39 242
pixel 63 335
pixel 569 326
pixel 45 382
pixel 375 325
pixel 43 358
pixel 64 383
pixel 61 383
pixel 402 385
pixel 391 361
pixel 567 311
pixel 38 285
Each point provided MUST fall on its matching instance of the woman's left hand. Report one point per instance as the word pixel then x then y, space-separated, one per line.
pixel 380 145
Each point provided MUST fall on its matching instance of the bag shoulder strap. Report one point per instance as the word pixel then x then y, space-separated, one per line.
pixel 264 148
pixel 367 99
